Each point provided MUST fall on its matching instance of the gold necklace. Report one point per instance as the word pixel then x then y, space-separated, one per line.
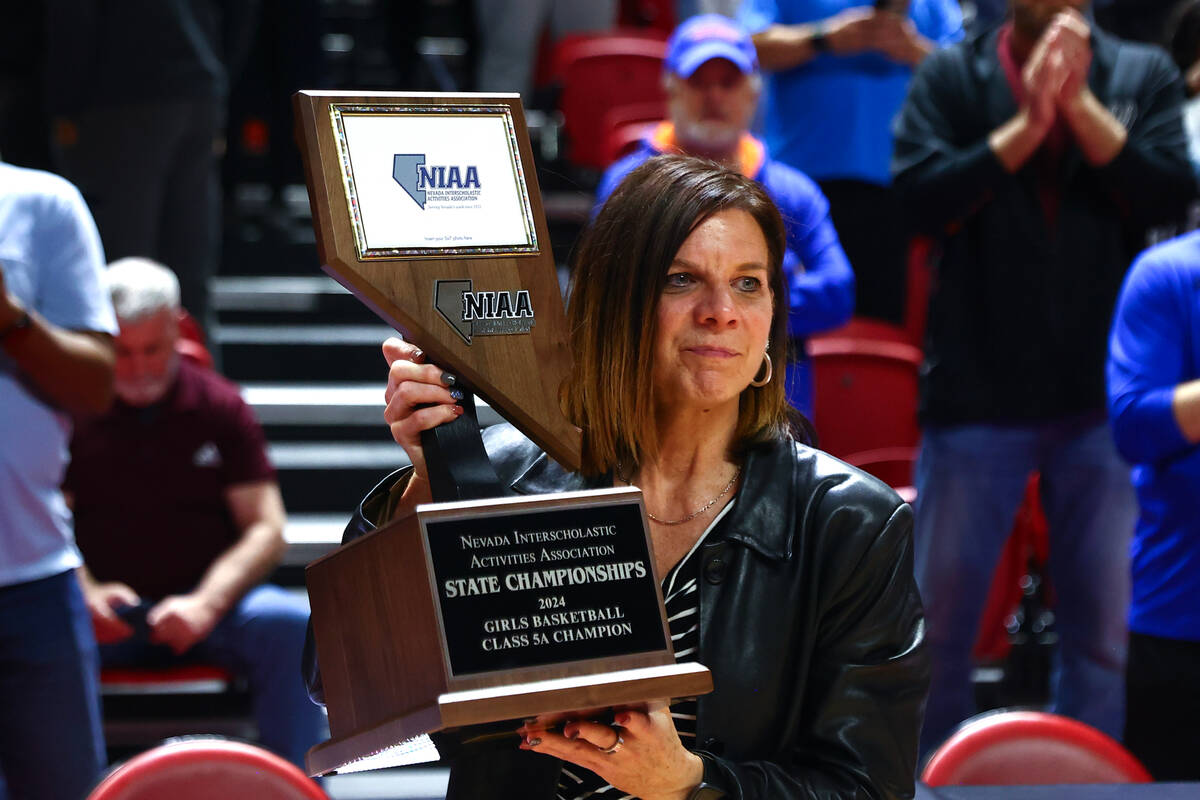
pixel 695 513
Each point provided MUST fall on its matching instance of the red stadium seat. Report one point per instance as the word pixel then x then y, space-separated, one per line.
pixel 600 73
pixel 865 394
pixel 626 125
pixel 869 329
pixel 573 45
pixel 892 465
pixel 146 705
pixel 917 283
pixel 652 112
pixel 186 679
pixel 624 139
pixel 207 768
pixel 190 344
pixel 1023 748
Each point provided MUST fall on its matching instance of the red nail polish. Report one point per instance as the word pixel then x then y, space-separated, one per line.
pixel 458 411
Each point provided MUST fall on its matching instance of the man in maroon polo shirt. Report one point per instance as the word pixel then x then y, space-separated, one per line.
pixel 179 519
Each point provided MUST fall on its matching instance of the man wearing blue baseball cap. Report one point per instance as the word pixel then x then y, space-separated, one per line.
pixel 712 81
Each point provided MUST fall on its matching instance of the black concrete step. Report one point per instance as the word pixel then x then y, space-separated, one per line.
pixel 262 238
pixel 303 353
pixel 331 477
pixel 322 413
pixel 286 300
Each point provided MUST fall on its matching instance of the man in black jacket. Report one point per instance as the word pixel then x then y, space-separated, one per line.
pixel 1037 154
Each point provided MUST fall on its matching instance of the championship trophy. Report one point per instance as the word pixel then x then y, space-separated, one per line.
pixel 484 607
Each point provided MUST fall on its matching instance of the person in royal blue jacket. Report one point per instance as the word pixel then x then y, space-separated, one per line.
pixel 1154 404
pixel 713 84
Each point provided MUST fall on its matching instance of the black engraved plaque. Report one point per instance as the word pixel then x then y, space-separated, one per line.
pixel 544 586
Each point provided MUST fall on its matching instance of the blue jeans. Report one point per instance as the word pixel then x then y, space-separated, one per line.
pixel 51 743
pixel 261 640
pixel 970 482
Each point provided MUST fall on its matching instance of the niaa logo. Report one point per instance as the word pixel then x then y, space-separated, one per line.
pixel 422 183
pixel 473 313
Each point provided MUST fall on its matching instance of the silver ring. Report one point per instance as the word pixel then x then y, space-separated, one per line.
pixel 619 744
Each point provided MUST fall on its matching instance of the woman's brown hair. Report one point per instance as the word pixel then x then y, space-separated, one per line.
pixel 617 278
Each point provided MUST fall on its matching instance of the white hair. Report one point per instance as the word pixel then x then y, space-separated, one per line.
pixel 141 288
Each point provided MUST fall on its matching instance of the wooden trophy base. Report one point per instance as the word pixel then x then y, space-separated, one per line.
pixel 511 702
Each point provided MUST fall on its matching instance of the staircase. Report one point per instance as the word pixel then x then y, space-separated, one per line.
pixel 306 354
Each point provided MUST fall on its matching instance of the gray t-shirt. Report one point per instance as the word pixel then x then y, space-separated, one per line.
pixel 53 263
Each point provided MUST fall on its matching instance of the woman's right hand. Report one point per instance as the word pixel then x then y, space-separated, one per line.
pixel 419 397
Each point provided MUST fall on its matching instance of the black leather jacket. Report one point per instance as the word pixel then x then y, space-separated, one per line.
pixel 810 622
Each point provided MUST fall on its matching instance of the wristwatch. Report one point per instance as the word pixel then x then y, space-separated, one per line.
pixel 819 38
pixel 22 322
pixel 706 791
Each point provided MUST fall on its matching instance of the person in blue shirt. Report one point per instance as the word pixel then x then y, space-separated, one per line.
pixel 56 361
pixel 1154 406
pixel 713 84
pixel 839 72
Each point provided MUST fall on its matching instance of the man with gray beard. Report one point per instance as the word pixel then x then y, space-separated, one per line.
pixel 713 84
pixel 179 519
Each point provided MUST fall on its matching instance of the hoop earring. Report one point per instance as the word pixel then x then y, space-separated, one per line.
pixel 758 382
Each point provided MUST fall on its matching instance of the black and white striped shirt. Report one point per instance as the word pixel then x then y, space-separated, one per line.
pixel 681 598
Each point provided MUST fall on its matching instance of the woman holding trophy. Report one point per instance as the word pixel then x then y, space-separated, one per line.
pixel 785 572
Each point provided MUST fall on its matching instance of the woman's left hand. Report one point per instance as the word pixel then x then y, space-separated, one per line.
pixel 651 762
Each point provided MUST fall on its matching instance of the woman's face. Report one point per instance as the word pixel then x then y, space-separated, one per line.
pixel 714 315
